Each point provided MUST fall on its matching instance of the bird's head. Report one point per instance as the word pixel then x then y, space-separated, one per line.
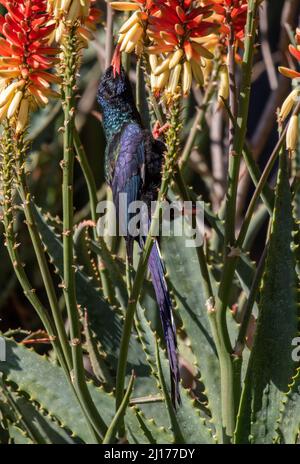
pixel 114 86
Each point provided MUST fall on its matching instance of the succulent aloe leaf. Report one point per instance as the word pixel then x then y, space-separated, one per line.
pixel 45 383
pixel 82 250
pixel 4 436
pixel 190 423
pixel 42 428
pixel 114 271
pixel 185 280
pixel 271 365
pixel 17 436
pixel 153 433
pixel 178 437
pixel 97 358
pixel 289 422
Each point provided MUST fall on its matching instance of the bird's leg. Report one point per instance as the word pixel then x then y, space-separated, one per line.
pixel 158 130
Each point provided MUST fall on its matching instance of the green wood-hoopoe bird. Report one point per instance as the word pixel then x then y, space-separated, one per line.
pixel 133 166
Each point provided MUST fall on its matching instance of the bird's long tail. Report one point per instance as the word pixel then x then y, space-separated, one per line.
pixel 163 298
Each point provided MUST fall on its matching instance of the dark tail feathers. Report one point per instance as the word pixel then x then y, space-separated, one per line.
pixel 165 307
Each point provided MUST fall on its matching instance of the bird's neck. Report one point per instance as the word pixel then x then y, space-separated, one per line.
pixel 114 119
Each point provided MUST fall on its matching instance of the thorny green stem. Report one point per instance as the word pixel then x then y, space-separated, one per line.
pixel 267 195
pixel 172 142
pixel 241 126
pixel 12 245
pixel 107 286
pixel 139 83
pixel 232 84
pixel 111 433
pixel 231 261
pixel 199 118
pixel 109 34
pixel 70 64
pixel 228 387
pixel 262 182
pixel 8 178
pixel 20 151
pixel 240 343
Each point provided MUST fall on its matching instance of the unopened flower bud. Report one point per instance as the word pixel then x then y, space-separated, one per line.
pixel 187 78
pixel 292 134
pixel 288 105
pixel 223 92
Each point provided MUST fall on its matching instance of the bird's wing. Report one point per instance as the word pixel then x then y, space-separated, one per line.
pixel 128 173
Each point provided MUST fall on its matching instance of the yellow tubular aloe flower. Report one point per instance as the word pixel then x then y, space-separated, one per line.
pixel 292 135
pixel 25 78
pixel 223 92
pixel 22 116
pixel 288 104
pixel 69 12
pixel 187 78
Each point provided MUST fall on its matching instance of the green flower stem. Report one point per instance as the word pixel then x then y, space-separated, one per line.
pixel 199 118
pixel 262 182
pixel 8 176
pixel 70 65
pixel 12 245
pixel 20 150
pixel 267 195
pixel 231 261
pixel 227 375
pixel 229 399
pixel 172 142
pixel 46 276
pixel 107 286
pixel 139 85
pixel 240 343
pixel 129 318
pixel 232 81
pixel 112 431
pixel 241 126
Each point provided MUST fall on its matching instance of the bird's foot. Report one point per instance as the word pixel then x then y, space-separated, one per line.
pixel 158 130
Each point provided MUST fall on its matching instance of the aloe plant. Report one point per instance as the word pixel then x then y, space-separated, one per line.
pixel 104 377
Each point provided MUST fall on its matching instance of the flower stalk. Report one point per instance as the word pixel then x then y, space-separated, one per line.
pixel 70 65
pixel 228 378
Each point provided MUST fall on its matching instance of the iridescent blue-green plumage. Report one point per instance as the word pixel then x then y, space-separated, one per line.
pixel 133 165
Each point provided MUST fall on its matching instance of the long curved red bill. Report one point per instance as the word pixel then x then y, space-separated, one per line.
pixel 116 61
